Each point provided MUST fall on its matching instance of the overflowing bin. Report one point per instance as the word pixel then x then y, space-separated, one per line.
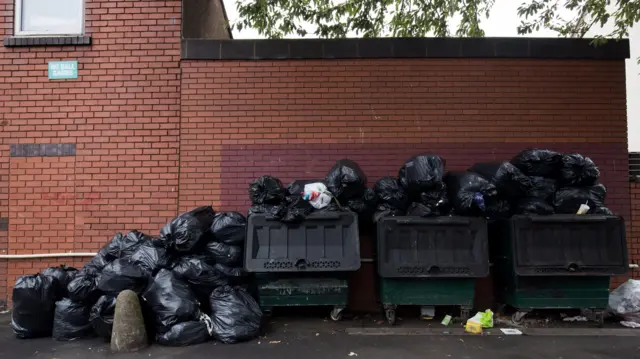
pixel 303 264
pixel 430 262
pixel 557 261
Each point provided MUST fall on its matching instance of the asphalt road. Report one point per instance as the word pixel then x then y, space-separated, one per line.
pixel 322 340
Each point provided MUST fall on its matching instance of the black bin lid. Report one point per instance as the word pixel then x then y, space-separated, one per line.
pixel 567 244
pixel 324 242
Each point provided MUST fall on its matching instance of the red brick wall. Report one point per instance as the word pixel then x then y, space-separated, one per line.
pixel 4 211
pixel 41 210
pixel 123 115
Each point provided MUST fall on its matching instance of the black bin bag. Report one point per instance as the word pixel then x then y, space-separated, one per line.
pixel 266 190
pixel 234 276
pixel 297 211
pixel 358 206
pixel 469 193
pixel 362 208
pixel 62 275
pixel 97 263
pixel 216 252
pixel 34 300
pixel 370 198
pixel 151 256
pixel 71 321
pixel 508 179
pixel 533 205
pixel 230 272
pixel 567 200
pixel 498 208
pixel 235 315
pixel 184 334
pixel 331 207
pixel 101 316
pixel 578 170
pixel 120 275
pixel 539 162
pixel 386 210
pixel 365 206
pixel 542 188
pixel 422 173
pixel 122 246
pixel 229 228
pixel 171 301
pixel 277 211
pixel 437 200
pixel 432 203
pixel 602 211
pixel 201 276
pixel 389 191
pixel 84 287
pixel 189 230
pixel 346 180
pixel 420 210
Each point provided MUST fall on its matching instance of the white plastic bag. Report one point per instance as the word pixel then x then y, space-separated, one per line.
pixel 624 301
pixel 207 321
pixel 317 194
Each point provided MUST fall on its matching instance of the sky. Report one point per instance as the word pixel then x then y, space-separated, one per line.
pixel 503 22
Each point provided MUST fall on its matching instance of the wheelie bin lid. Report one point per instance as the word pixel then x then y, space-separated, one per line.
pixel 451 246
pixel 323 242
pixel 569 245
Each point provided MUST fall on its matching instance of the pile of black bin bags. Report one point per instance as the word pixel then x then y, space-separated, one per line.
pixel 190 282
pixel 559 183
pixel 345 181
pixel 419 189
pixel 535 181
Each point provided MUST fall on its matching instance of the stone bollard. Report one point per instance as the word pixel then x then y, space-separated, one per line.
pixel 129 333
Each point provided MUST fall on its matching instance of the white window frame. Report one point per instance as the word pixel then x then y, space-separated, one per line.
pixel 17 19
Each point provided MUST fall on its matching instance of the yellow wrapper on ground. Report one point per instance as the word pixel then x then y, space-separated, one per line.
pixel 473 327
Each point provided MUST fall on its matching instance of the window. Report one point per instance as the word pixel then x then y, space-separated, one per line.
pixel 49 17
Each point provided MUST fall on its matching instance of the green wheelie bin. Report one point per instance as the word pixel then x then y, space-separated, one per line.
pixel 430 262
pixel 559 261
pixel 303 264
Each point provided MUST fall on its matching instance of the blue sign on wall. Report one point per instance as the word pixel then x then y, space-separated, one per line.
pixel 63 70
